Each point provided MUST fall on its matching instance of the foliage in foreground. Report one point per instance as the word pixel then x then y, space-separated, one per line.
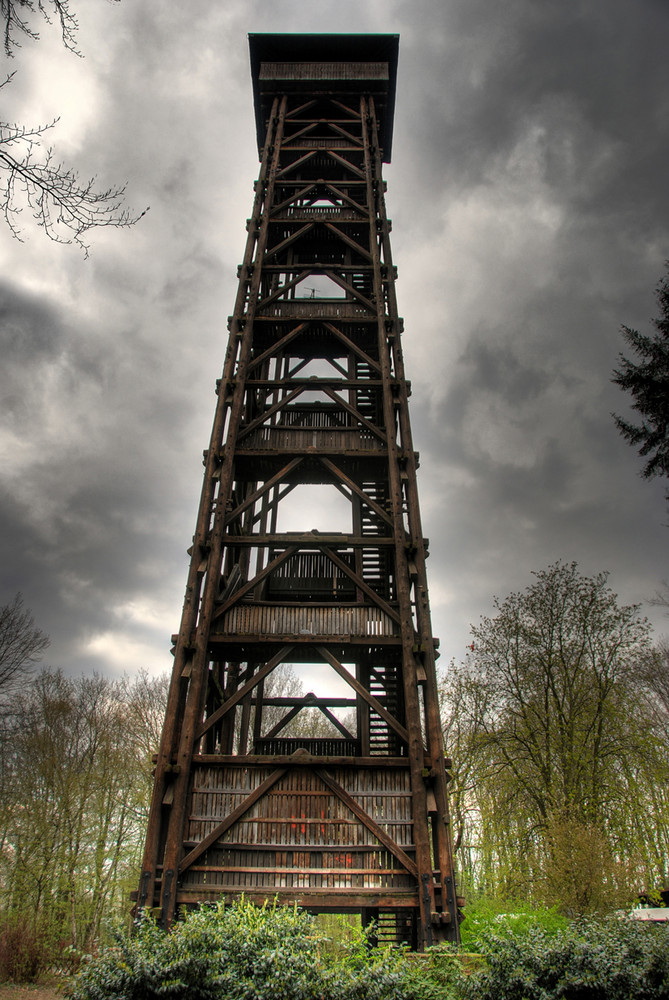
pixel 614 960
pixel 241 952
pixel 501 918
pixel 244 952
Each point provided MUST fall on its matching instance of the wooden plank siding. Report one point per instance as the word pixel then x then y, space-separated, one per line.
pixel 317 620
pixel 286 839
pixel 324 71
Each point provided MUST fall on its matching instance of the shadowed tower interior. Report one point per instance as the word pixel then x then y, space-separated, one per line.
pixel 308 549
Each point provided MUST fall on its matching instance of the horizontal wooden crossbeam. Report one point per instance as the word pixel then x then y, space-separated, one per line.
pixel 311 540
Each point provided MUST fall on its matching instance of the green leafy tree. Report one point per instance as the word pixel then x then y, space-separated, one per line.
pixel 647 381
pixel 559 781
pixel 77 779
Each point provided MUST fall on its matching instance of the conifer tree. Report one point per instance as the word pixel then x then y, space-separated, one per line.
pixel 647 381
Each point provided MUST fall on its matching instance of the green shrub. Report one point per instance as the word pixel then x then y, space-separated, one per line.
pixel 504 918
pixel 615 960
pixel 240 952
pixel 436 975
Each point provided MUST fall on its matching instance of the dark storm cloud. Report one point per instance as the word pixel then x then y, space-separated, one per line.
pixel 88 438
pixel 528 190
pixel 590 70
pixel 548 123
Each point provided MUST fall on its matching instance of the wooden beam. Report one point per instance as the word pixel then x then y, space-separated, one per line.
pixel 311 541
pixel 292 381
pixel 348 240
pixel 348 343
pixel 282 723
pixel 241 692
pixel 285 702
pixel 258 578
pixel 297 163
pixel 288 140
pixel 335 722
pixel 282 289
pixel 355 205
pixel 367 303
pixel 265 488
pixel 363 692
pixel 367 820
pixel 289 240
pixel 359 582
pixel 336 900
pixel 353 112
pixel 358 416
pixel 261 760
pixel 266 414
pixel 298 111
pixel 278 346
pixel 356 171
pixel 345 134
pixel 277 209
pixel 372 504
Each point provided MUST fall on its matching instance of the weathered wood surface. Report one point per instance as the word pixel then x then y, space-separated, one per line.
pixel 283 836
pixel 313 391
pixel 282 620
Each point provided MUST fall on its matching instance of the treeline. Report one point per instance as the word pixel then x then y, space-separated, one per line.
pixel 75 780
pixel 558 725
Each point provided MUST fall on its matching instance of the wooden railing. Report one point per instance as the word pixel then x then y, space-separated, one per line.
pixel 318 747
pixel 297 438
pixel 314 620
pixel 315 309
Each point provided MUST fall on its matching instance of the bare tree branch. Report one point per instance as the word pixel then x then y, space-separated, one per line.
pixel 63 204
pixel 19 17
pixel 21 642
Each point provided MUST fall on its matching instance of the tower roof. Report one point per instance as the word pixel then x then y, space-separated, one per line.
pixel 330 64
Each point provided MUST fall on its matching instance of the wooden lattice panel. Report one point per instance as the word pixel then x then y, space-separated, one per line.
pixel 285 839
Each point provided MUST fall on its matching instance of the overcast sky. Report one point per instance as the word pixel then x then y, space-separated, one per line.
pixel 528 192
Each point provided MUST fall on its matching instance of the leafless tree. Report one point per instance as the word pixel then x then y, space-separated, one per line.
pixel 22 643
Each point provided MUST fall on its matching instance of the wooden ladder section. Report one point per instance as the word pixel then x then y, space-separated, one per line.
pixel 351 816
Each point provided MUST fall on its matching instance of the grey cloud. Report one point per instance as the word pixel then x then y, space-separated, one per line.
pixel 529 196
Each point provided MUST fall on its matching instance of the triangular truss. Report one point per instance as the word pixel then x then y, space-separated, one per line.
pixel 352 817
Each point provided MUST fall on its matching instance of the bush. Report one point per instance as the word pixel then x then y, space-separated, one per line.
pixel 436 975
pixel 25 953
pixel 615 960
pixel 504 918
pixel 240 952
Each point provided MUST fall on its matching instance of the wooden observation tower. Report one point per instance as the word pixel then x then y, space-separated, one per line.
pixel 313 393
